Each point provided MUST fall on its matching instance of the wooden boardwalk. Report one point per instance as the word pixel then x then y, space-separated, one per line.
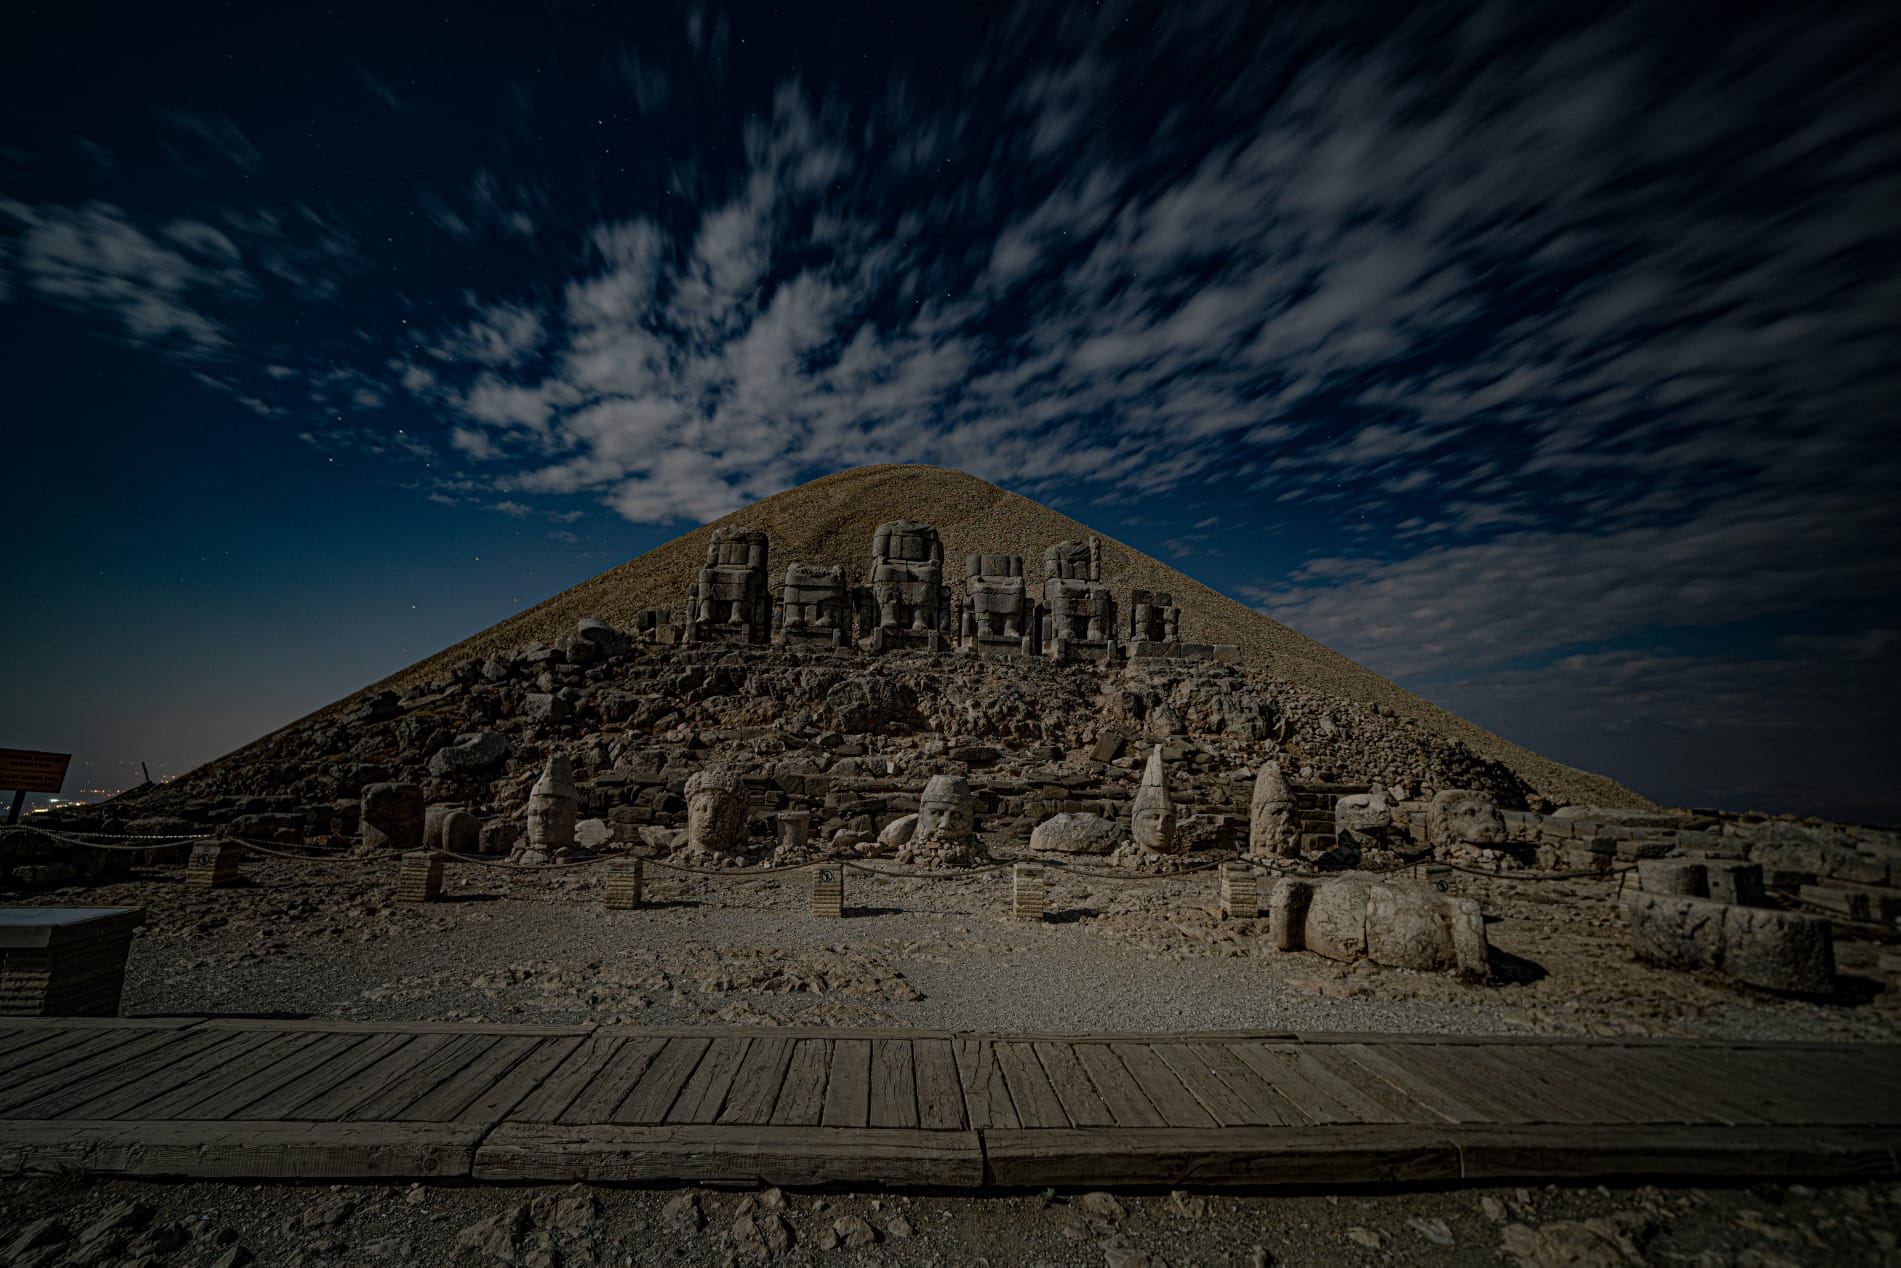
pixel 238 1098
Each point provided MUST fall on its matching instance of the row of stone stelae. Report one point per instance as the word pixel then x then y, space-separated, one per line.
pixel 905 602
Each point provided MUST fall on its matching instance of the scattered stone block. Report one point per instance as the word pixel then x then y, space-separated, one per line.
pixel 214 864
pixel 624 878
pixel 828 890
pixel 1028 891
pixel 420 878
pixel 1734 881
pixel 1399 923
pixel 1776 950
pixel 795 828
pixel 1076 834
pixel 1673 876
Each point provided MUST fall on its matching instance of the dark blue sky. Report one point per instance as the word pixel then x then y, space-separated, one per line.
pixel 1544 364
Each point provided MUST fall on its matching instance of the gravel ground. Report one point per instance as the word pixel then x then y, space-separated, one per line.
pixel 942 953
pixel 75 1222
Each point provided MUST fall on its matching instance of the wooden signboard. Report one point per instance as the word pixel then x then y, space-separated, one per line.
pixel 25 771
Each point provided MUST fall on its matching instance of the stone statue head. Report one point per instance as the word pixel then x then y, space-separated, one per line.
pixel 946 810
pixel 1152 814
pixel 1458 816
pixel 715 810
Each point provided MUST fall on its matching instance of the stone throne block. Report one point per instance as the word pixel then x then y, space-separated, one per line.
pixel 997 615
pixel 1155 624
pixel 731 602
pixel 1079 612
pixel 815 607
pixel 908 593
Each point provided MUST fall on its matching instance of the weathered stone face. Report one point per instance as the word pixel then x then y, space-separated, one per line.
pixel 552 806
pixel 946 810
pixel 1460 817
pixel 392 817
pixel 715 811
pixel 1152 814
pixel 1272 815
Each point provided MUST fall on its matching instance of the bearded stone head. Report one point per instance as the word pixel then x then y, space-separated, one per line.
pixel 946 810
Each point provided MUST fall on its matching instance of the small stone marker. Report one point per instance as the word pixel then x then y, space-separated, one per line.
pixel 623 884
pixel 1240 896
pixel 794 825
pixel 828 890
pixel 64 961
pixel 1027 891
pixel 214 864
pixel 420 880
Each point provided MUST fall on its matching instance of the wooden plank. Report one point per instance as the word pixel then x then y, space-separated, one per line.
pixel 1227 1107
pixel 522 1079
pixel 104 1075
pixel 1251 1087
pixel 801 1100
pixel 848 1085
pixel 1576 1093
pixel 1036 1102
pixel 421 1079
pixel 940 1097
pixel 1276 1067
pixel 893 1084
pixel 1625 1082
pixel 16 1044
pixel 1355 1086
pixel 285 1101
pixel 1450 1069
pixel 703 1096
pixel 783 1032
pixel 224 1150
pixel 184 1078
pixel 756 1085
pixel 68 1049
pixel 231 1100
pixel 615 1078
pixel 551 1099
pixel 986 1100
pixel 1120 1091
pixel 1764 1087
pixel 96 1055
pixel 1167 1093
pixel 658 1088
pixel 1340 1154
pixel 1082 1104
pixel 1383 1064
pixel 361 1084
pixel 731 1154
pixel 447 1100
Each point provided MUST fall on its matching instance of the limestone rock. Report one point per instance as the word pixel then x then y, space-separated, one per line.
pixel 898 832
pixel 593 834
pixel 1272 815
pixel 1075 834
pixel 1398 923
pixel 1336 918
pixel 1460 817
pixel 1152 815
pixel 480 753
pixel 607 640
pixel 451 828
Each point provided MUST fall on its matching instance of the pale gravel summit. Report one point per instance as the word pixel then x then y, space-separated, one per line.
pixel 829 521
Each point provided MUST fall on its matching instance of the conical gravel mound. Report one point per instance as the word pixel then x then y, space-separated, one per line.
pixel 831 520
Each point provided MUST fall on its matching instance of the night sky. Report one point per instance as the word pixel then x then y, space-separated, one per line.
pixel 1544 359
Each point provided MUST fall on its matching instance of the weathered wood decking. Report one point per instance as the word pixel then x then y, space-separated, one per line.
pixel 339 1100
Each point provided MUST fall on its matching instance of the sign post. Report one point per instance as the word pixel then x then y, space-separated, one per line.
pixel 25 771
